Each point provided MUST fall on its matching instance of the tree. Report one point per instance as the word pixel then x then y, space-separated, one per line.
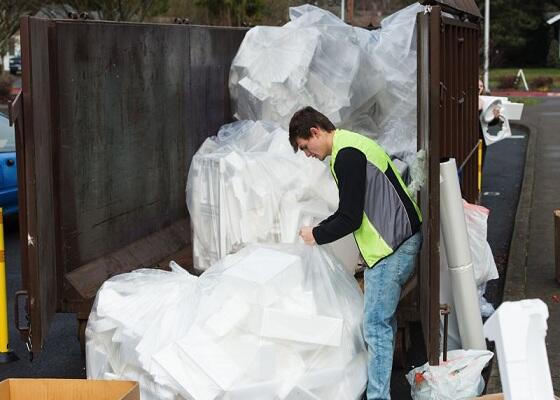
pixel 10 12
pixel 553 58
pixel 518 31
pixel 232 12
pixel 116 10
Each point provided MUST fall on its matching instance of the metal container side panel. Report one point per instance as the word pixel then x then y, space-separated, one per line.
pixel 124 120
pixel 133 111
pixel 212 51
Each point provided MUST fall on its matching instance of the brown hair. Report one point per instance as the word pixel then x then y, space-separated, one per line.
pixel 305 119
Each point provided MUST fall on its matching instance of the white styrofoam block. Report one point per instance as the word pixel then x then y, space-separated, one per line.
pixel 299 301
pixel 230 315
pixel 192 382
pixel 299 393
pixel 519 330
pixel 321 377
pixel 210 357
pixel 254 391
pixel 262 265
pixel 316 329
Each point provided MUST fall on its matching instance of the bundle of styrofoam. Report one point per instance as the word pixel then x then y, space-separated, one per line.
pixel 315 59
pixel 246 185
pixel 361 80
pixel 269 322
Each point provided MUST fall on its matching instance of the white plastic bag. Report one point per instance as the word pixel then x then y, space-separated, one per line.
pixel 361 80
pixel 457 378
pixel 246 185
pixel 271 321
pixel 476 218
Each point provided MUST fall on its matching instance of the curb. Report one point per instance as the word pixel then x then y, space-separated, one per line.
pixel 515 279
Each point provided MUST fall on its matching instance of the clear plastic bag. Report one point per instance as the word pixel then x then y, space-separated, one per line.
pixel 455 379
pixel 361 80
pixel 476 218
pixel 269 322
pixel 246 185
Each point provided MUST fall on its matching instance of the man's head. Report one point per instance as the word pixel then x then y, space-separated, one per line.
pixel 480 87
pixel 311 132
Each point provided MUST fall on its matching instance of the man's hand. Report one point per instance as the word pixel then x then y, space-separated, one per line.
pixel 306 233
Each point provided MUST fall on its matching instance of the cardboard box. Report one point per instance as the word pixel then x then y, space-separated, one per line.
pixel 68 389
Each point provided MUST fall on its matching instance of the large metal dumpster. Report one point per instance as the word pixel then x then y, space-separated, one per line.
pixel 109 118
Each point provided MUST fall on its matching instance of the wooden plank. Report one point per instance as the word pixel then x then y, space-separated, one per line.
pixel 147 252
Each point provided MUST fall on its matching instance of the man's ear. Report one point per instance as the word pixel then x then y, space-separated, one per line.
pixel 314 131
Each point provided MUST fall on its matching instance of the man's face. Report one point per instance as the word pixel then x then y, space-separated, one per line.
pixel 315 146
pixel 480 87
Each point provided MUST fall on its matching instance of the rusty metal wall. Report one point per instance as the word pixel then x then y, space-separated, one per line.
pixel 447 127
pixel 459 43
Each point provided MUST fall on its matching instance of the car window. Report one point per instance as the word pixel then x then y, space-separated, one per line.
pixel 7 136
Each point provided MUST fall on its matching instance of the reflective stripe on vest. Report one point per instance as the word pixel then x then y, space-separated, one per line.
pixel 390 215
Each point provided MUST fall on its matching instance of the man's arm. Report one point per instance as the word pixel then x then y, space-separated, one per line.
pixel 350 169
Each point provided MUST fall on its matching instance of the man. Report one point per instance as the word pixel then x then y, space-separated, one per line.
pixel 375 205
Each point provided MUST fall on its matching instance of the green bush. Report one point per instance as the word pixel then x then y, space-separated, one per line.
pixel 6 81
pixel 507 82
pixel 541 82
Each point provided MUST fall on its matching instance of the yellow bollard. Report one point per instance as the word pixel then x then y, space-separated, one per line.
pixel 479 167
pixel 5 354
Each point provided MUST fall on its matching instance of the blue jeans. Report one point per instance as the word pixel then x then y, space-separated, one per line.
pixel 383 285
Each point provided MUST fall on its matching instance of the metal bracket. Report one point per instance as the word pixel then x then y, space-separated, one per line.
pixel 25 331
pixel 445 309
pixel 427 9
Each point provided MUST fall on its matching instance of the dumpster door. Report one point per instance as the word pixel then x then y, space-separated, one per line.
pixel 37 238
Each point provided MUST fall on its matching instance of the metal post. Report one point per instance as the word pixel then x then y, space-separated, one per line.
pixel 342 10
pixel 6 355
pixel 486 42
pixel 557 242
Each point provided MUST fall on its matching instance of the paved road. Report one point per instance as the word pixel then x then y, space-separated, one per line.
pixel 61 357
pixel 531 269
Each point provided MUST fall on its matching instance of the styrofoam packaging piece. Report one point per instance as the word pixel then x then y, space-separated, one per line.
pixel 299 393
pixel 463 286
pixel 191 380
pixel 229 316
pixel 316 329
pixel 262 265
pixel 519 330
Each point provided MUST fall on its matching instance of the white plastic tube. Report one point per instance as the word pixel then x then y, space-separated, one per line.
pixel 463 285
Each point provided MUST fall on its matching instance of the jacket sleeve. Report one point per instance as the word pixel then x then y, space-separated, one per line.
pixel 350 169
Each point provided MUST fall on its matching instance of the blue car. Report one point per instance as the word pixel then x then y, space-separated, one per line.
pixel 8 169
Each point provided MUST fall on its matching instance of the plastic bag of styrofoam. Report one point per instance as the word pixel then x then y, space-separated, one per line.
pixel 361 80
pixel 455 379
pixel 271 321
pixel 247 185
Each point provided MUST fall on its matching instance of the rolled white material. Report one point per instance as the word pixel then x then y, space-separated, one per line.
pixel 463 285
